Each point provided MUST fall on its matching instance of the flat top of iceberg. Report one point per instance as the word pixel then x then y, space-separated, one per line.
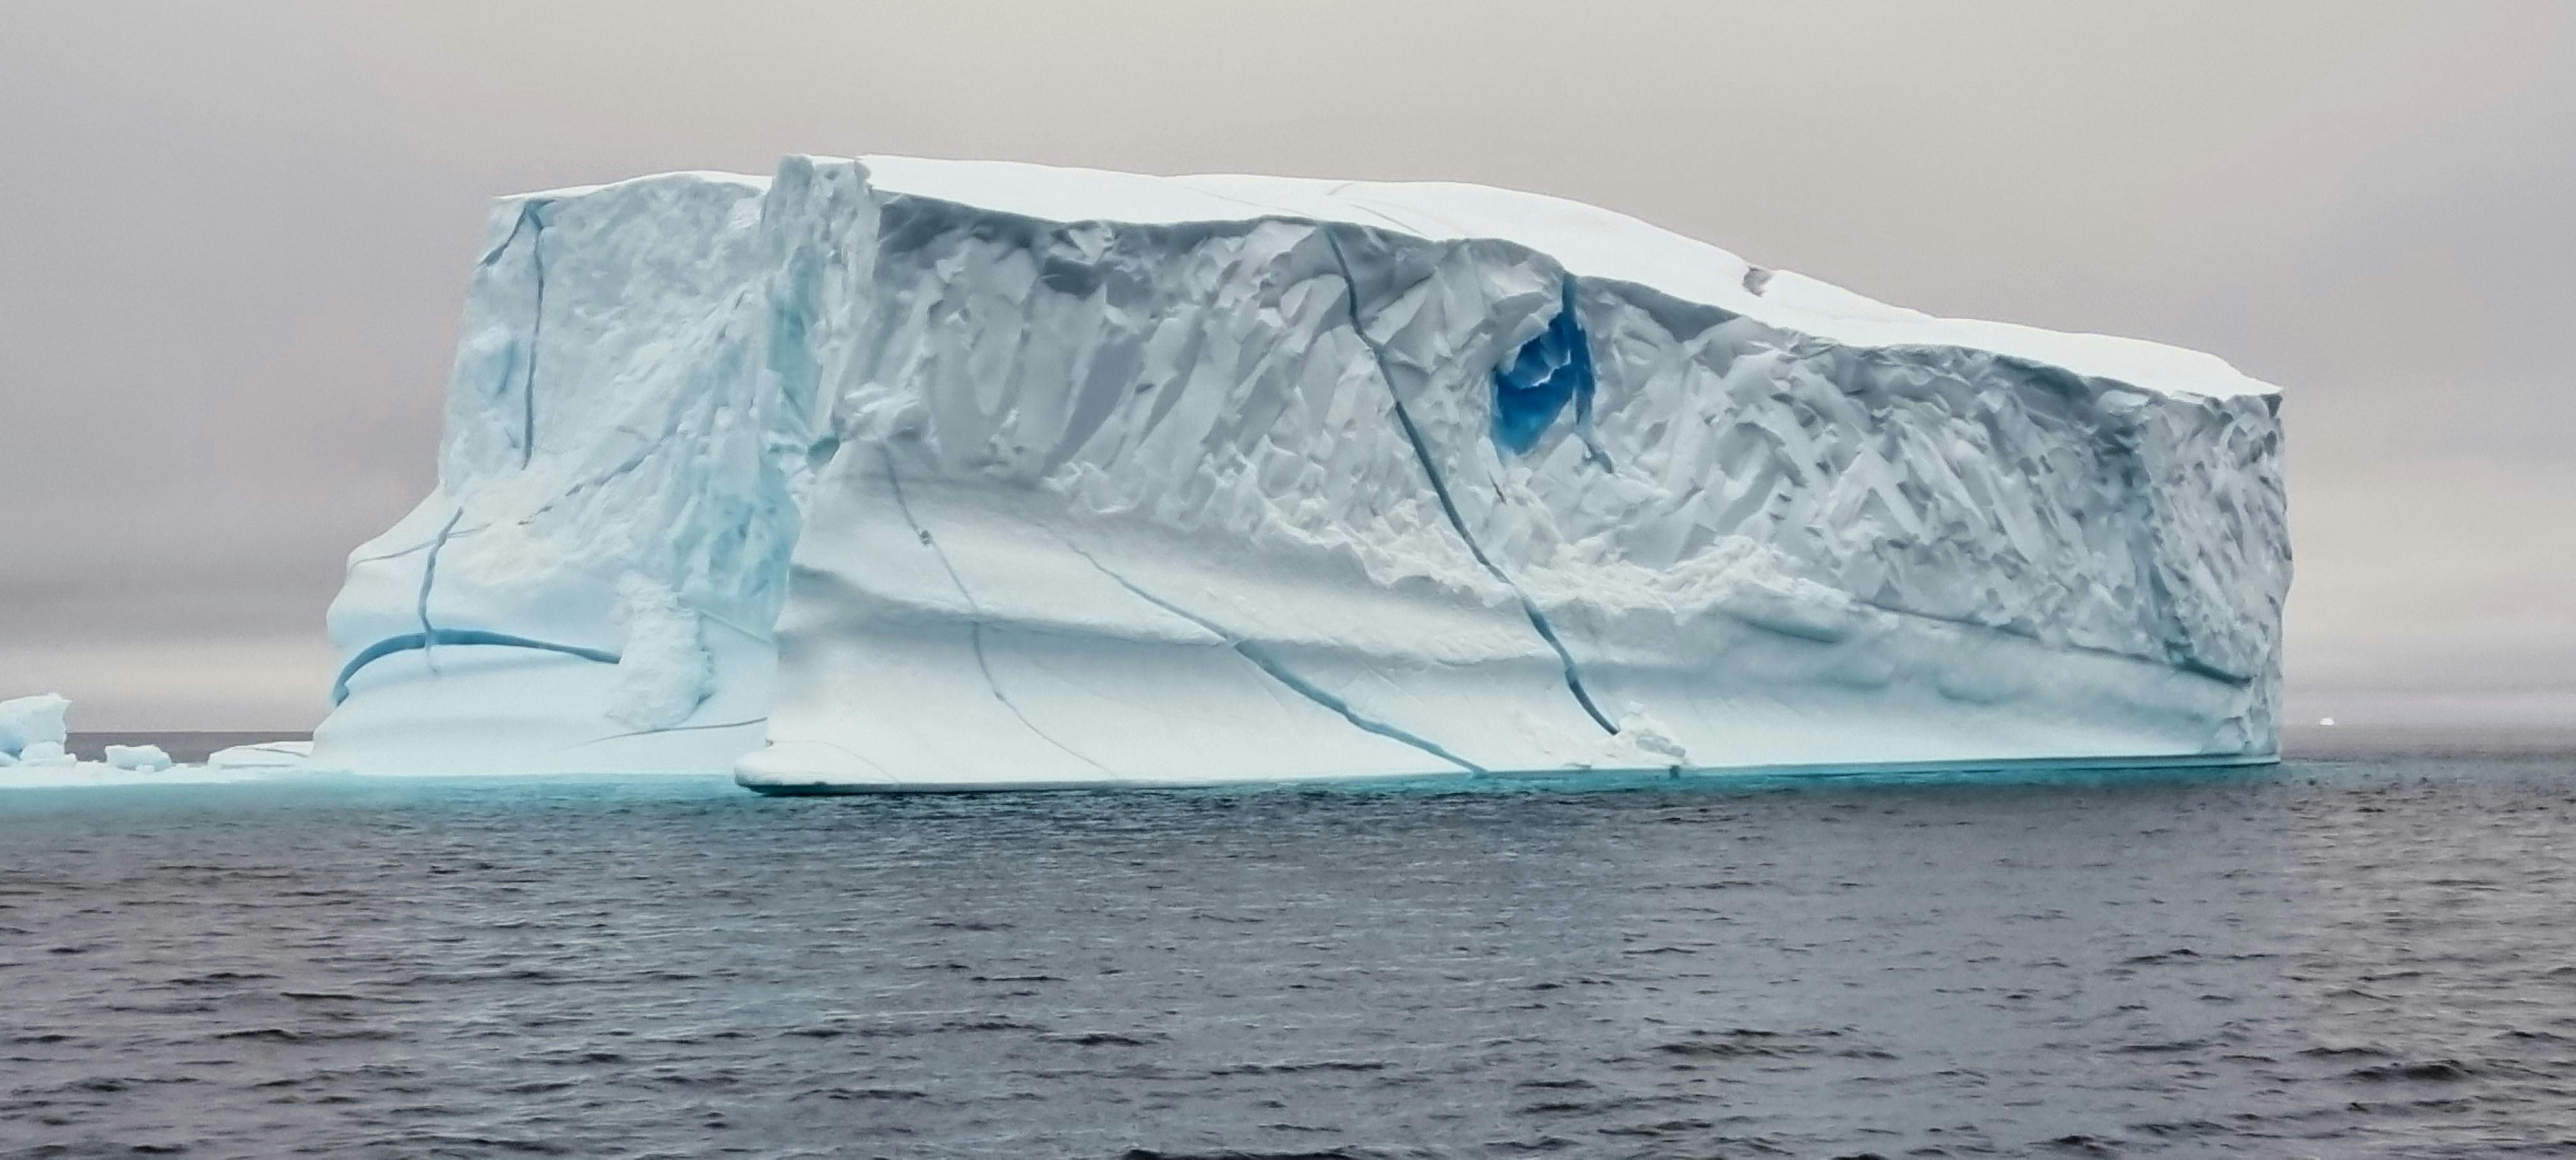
pixel 1589 241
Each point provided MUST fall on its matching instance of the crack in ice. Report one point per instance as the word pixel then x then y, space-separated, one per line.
pixel 422 546
pixel 1276 669
pixel 643 454
pixel 536 333
pixel 975 611
pixel 534 226
pixel 1448 506
pixel 429 575
pixel 679 729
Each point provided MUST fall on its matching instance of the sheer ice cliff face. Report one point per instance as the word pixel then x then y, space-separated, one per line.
pixel 607 550
pixel 974 475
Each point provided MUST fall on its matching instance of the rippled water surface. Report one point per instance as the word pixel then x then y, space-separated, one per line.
pixel 2350 957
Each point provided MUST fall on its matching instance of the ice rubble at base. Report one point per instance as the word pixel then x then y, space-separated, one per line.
pixel 896 473
pixel 33 731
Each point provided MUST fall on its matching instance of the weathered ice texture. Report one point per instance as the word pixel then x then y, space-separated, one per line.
pixel 1029 477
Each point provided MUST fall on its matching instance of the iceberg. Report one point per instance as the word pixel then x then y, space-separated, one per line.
pixel 898 474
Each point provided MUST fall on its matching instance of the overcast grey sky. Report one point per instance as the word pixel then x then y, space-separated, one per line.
pixel 234 241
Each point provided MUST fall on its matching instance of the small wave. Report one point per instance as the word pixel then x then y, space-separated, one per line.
pixel 1293 1068
pixel 1105 1039
pixel 2435 1070
pixel 287 1035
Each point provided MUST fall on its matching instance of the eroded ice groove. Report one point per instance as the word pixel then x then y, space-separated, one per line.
pixel 453 636
pixel 1445 477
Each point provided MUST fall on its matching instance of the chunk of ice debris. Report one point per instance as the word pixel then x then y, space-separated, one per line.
pixel 28 721
pixel 147 758
pixel 664 672
pixel 1641 743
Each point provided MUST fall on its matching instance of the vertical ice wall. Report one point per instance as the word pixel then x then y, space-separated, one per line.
pixel 605 554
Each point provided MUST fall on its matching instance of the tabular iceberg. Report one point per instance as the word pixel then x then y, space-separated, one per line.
pixel 906 474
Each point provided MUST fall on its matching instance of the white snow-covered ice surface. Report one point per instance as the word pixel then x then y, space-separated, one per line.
pixel 894 474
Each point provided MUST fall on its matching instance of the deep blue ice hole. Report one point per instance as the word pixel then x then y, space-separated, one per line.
pixel 1531 390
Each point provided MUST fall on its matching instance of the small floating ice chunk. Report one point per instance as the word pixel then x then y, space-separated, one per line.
pixel 29 721
pixel 143 758
pixel 45 753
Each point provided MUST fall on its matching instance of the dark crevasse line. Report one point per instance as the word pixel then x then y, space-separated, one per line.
pixel 1583 428
pixel 537 331
pixel 2186 665
pixel 494 254
pixel 975 613
pixel 677 729
pixel 1278 670
pixel 530 223
pixel 428 576
pixel 453 636
pixel 643 453
pixel 1449 507
pixel 423 546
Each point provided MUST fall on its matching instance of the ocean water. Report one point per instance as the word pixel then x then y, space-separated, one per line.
pixel 2365 953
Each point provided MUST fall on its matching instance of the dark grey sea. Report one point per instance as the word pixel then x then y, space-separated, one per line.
pixel 2367 951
